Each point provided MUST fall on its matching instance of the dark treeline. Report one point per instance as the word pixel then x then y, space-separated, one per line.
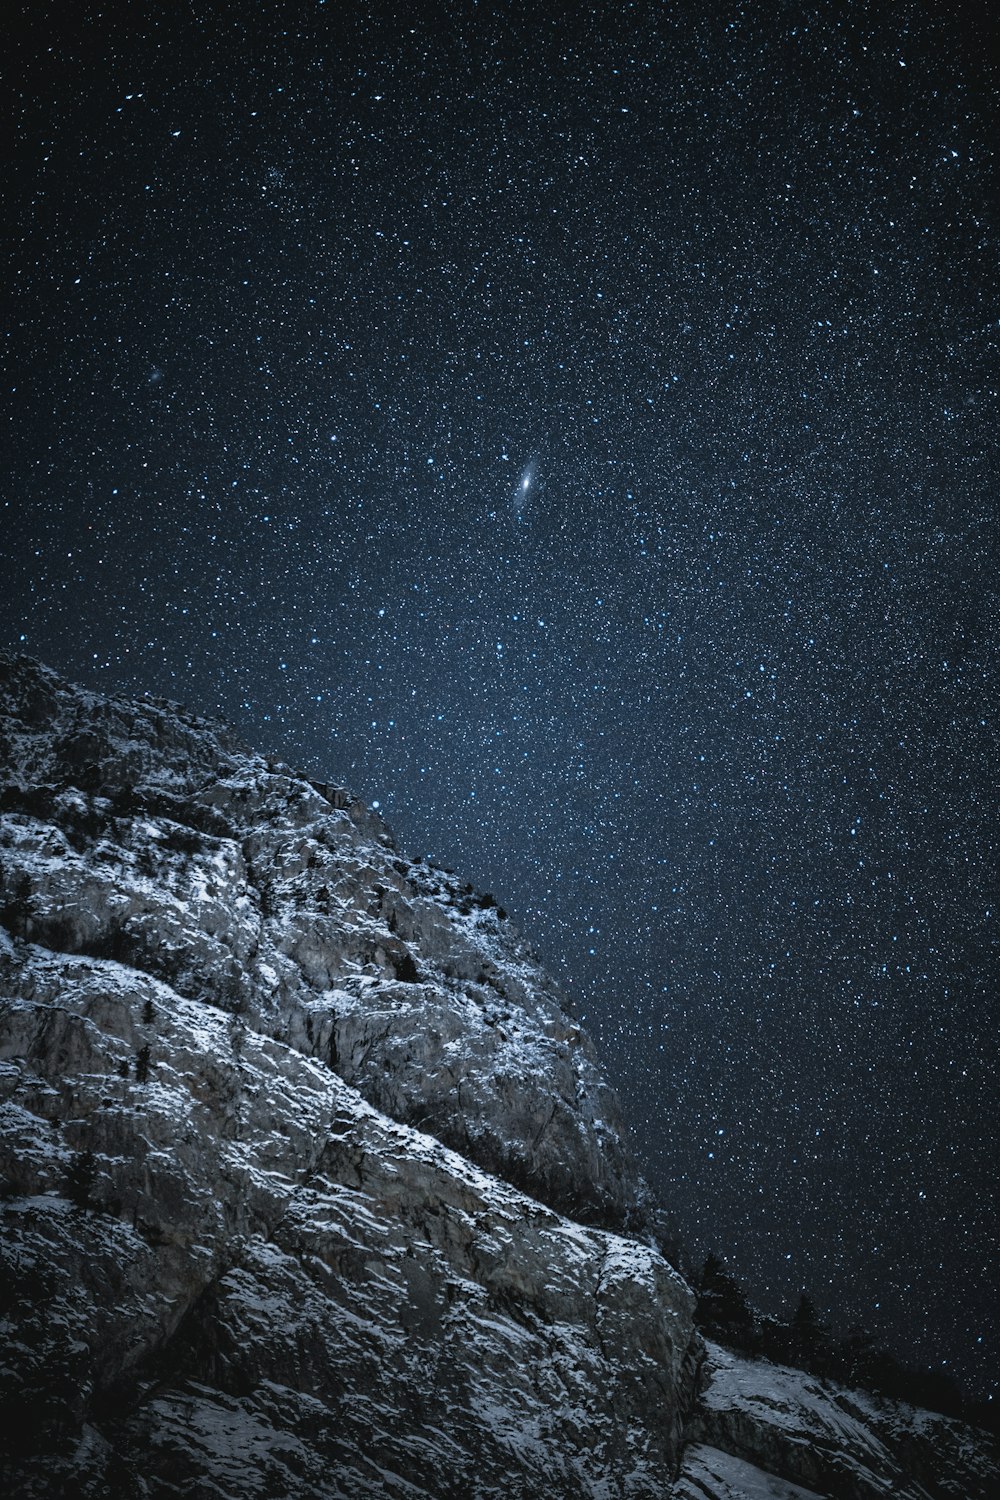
pixel 723 1313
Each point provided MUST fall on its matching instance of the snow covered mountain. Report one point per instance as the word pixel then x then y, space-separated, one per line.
pixel 313 1186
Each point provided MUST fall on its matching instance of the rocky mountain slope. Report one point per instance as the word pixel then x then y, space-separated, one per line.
pixel 313 1186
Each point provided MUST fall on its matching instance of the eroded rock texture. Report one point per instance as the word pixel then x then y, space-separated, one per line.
pixel 801 1433
pixel 244 1043
pixel 312 1185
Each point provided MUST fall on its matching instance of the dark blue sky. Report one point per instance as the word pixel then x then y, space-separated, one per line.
pixel 296 302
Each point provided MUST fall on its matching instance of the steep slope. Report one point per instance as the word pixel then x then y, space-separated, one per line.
pixel 274 1268
pixel 818 1434
pixel 312 1186
pixel 241 1035
pixel 139 833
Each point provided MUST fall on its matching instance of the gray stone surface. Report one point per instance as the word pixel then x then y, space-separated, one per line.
pixel 240 1037
pixel 710 1474
pixel 140 833
pixel 271 1266
pixel 843 1443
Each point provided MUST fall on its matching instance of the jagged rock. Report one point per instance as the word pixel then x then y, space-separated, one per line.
pixel 312 1185
pixel 270 1263
pixel 141 833
pixel 240 1035
pixel 826 1438
pixel 710 1474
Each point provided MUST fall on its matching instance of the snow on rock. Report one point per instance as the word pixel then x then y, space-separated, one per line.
pixel 139 832
pixel 288 1132
pixel 840 1442
pixel 709 1474
pixel 268 1265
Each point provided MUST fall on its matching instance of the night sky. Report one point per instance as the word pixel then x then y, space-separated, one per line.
pixel 575 429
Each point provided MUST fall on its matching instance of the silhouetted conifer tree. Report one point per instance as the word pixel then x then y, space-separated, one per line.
pixel 722 1307
pixel 80 1177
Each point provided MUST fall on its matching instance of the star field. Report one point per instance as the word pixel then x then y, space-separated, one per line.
pixel 577 432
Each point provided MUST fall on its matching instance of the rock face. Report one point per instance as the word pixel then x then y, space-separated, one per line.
pixel 805 1435
pixel 312 1185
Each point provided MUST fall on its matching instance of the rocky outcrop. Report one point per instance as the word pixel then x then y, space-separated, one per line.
pixel 312 1185
pixel 269 1266
pixel 797 1430
pixel 712 1474
pixel 139 833
pixel 244 1042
